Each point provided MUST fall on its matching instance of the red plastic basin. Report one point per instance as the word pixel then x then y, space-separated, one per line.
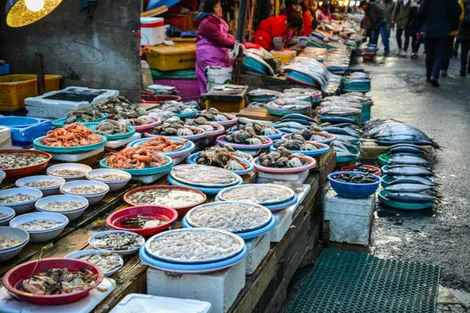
pixel 354 166
pixel 154 211
pixel 23 271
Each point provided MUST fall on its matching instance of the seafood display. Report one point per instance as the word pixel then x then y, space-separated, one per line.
pixel 136 158
pixel 230 216
pixel 119 107
pixel 118 241
pixel 281 158
pixel 71 135
pixel 105 261
pixel 204 124
pixel 258 193
pixel 141 120
pixel 41 183
pixel 361 168
pixel 111 127
pixel 176 127
pixel 91 189
pixel 311 135
pixel 220 157
pixel 18 160
pixel 56 281
pixel 263 95
pixel 65 172
pixel 355 178
pixel 7 243
pixel 176 107
pixel 214 115
pixel 189 245
pixel 84 115
pixel 260 129
pixel 389 132
pixel 172 198
pixel 292 105
pixel 245 137
pixel 141 221
pixel 194 174
pixel 308 71
pixel 3 215
pixel 296 144
pixel 63 206
pixel 162 144
pixel 111 177
pixel 39 225
pixel 19 197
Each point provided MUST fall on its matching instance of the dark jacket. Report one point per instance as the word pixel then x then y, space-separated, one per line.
pixel 464 31
pixel 438 16
pixel 412 25
pixel 401 13
pixel 375 14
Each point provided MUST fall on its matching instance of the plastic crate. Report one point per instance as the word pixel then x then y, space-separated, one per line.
pixel 14 88
pixel 25 129
pixel 181 56
pixel 225 106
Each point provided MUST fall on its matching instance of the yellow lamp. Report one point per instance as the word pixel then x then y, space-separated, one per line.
pixel 24 12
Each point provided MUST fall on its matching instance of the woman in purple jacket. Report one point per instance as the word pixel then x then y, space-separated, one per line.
pixel 212 41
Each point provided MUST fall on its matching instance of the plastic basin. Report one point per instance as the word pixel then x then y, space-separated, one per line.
pixel 352 190
pixel 23 271
pixel 155 211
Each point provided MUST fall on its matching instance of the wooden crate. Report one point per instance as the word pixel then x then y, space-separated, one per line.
pixel 258 114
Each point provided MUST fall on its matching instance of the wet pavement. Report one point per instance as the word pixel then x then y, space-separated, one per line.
pixel 440 236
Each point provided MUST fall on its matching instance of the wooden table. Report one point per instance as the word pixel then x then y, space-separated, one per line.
pixel 265 290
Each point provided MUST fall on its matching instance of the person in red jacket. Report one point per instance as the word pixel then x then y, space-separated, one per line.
pixel 308 20
pixel 277 29
pixel 212 41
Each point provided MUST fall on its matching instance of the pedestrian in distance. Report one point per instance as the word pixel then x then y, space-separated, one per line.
pixel 450 40
pixel 437 16
pixel 400 17
pixel 464 36
pixel 388 6
pixel 412 28
pixel 374 13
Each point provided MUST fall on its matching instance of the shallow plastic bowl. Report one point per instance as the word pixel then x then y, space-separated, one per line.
pixel 9 212
pixel 70 166
pixel 121 252
pixel 23 206
pixel 23 271
pixel 92 198
pixel 13 233
pixel 28 170
pixel 146 210
pixel 352 190
pixel 71 214
pixel 114 185
pixel 80 253
pixel 46 191
pixel 41 235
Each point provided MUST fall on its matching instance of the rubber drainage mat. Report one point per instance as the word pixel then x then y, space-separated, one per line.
pixel 355 282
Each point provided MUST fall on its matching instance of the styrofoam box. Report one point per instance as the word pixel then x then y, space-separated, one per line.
pixel 284 218
pixel 350 219
pixel 140 303
pixel 152 31
pixel 219 288
pixel 258 248
pixel 41 107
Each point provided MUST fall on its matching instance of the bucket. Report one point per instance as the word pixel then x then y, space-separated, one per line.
pixel 218 76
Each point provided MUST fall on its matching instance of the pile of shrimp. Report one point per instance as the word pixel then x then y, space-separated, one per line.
pixel 71 135
pixel 135 158
pixel 162 144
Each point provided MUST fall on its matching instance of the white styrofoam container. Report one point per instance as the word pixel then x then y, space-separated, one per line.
pixel 140 303
pixel 152 31
pixel 350 219
pixel 219 288
pixel 258 248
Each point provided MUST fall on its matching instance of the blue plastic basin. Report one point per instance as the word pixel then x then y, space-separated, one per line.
pixel 352 190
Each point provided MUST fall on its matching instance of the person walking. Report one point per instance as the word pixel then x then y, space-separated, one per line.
pixel 374 13
pixel 437 16
pixel 412 28
pixel 449 50
pixel 388 6
pixel 400 16
pixel 464 36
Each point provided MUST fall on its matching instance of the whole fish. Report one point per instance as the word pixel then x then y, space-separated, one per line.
pixel 342 131
pixel 410 171
pixel 297 116
pixel 410 197
pixel 409 188
pixel 400 145
pixel 409 160
pixel 413 154
pixel 289 125
pixel 411 180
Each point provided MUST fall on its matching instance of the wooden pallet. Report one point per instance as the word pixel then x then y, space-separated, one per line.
pixel 258 114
